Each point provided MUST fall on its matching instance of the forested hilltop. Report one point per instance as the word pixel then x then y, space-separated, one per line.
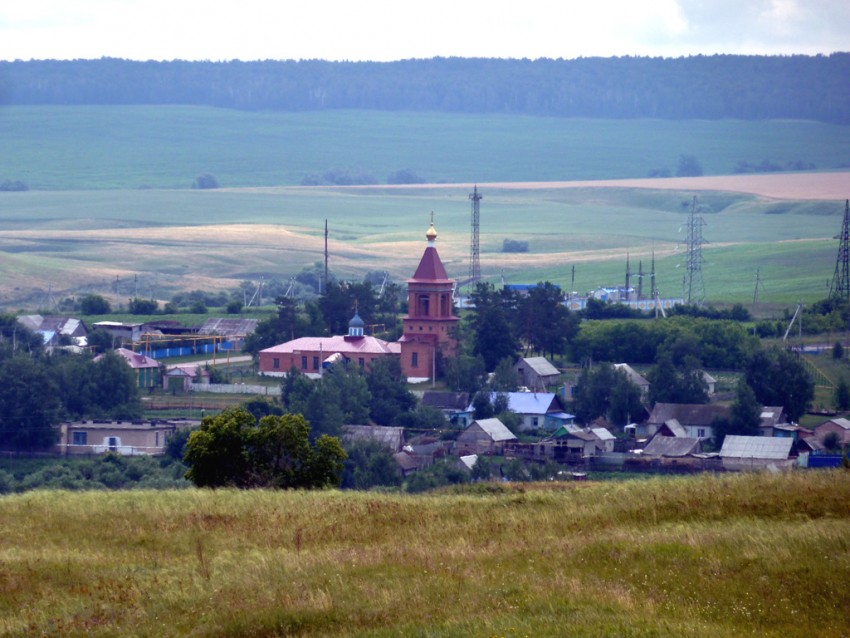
pixel 704 87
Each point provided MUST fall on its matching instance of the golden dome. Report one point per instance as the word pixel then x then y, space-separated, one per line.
pixel 431 235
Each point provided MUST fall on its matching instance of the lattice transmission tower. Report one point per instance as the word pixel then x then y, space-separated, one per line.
pixel 474 251
pixel 694 285
pixel 840 286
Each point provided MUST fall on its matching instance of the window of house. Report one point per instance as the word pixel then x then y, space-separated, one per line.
pixel 303 363
pixel 361 362
pixel 701 433
pixel 79 438
pixel 315 363
pixel 414 359
pixel 275 363
pixel 534 421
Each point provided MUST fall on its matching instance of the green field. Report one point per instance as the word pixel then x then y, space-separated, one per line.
pixel 109 147
pixel 701 556
pixel 110 200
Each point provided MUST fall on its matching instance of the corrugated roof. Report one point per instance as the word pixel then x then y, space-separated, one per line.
pixel 602 434
pixel 541 366
pixel 756 447
pixel 675 428
pixel 525 402
pixel 495 429
pixel 633 375
pixel 134 359
pixel 840 422
pixel 329 345
pixel 391 437
pixel 228 327
pixel 672 446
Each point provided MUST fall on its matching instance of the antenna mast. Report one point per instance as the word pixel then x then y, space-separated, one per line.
pixel 628 280
pixel 474 251
pixel 325 289
pixel 841 279
pixel 640 280
pixel 695 287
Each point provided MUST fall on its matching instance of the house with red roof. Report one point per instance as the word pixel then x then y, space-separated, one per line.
pixel 146 368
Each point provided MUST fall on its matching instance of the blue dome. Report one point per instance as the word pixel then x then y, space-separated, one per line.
pixel 356 321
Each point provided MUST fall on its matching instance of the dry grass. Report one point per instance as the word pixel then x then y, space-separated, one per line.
pixel 717 556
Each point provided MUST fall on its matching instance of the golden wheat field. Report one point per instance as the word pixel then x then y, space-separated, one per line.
pixel 753 554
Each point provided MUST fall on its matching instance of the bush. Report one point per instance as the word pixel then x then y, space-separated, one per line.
pixel 688 166
pixel 142 306
pixel 205 181
pixel 404 176
pixel 514 246
pixel 94 305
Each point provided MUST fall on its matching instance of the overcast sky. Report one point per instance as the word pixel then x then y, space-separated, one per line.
pixel 395 29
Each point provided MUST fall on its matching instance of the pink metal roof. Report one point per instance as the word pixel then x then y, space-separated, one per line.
pixel 430 267
pixel 136 360
pixel 329 345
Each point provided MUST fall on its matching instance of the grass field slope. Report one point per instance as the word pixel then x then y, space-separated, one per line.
pixel 706 556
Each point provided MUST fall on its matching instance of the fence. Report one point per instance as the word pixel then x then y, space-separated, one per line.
pixel 236 388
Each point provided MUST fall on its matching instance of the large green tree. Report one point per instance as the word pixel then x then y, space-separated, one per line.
pixel 30 408
pixel 744 416
pixel 778 377
pixel 232 449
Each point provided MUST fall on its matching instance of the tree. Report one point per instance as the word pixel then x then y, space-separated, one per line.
pixel 232 449
pixel 205 181
pixel 94 305
pixel 545 323
pixel 464 373
pixel 493 336
pixel 388 386
pixel 625 403
pixel 138 306
pixel 29 405
pixel 100 340
pixel 505 378
pixel 838 351
pixel 688 166
pixel 482 406
pixel 778 377
pixel 744 418
pixel 669 384
pixel 369 464
pixel 842 394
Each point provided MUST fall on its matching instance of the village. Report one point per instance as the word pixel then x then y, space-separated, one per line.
pixel 659 437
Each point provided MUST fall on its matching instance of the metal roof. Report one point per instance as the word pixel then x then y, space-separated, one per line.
pixel 228 327
pixel 756 447
pixel 632 375
pixel 694 414
pixel 358 345
pixel 541 366
pixel 391 437
pixel 675 428
pixel 446 400
pixel 603 434
pixel 525 402
pixel 671 446
pixel 495 429
pixel 843 423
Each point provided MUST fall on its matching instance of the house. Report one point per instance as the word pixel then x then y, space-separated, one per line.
pixel 146 369
pixel 755 452
pixel 572 444
pixel 430 325
pixel 180 377
pixel 535 408
pixel 695 418
pixel 390 437
pixel 453 405
pixel 62 326
pixel 635 377
pixel 840 426
pixel 484 436
pixel 605 440
pixel 771 416
pixel 671 428
pixel 121 437
pixel 121 332
pixel 311 355
pixel 537 373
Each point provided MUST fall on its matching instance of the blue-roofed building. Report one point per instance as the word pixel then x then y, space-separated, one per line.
pixel 535 408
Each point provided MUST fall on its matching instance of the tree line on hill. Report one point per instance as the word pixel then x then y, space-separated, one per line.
pixel 705 87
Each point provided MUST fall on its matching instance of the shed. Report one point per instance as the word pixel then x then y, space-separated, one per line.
pixel 390 437
pixel 537 373
pixel 840 426
pixel 755 452
pixel 635 377
pixel 668 446
pixel 453 405
pixel 605 439
pixel 484 436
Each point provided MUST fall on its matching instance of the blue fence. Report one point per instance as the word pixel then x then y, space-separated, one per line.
pixel 824 460
pixel 185 351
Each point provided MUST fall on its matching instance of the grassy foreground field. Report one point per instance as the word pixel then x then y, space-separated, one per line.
pixel 701 556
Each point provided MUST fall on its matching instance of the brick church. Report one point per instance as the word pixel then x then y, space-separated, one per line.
pixel 429 328
pixel 430 324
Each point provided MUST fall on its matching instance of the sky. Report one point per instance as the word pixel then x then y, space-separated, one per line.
pixel 385 30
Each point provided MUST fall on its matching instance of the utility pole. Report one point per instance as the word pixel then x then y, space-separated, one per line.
pixel 841 279
pixel 326 259
pixel 474 251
